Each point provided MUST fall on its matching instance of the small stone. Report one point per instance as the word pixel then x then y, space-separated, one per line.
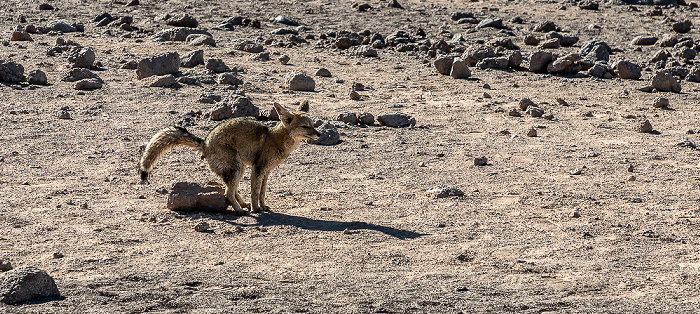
pixel 46 7
pixel 532 132
pixel 660 102
pixel 37 77
pixel 539 61
pixel 576 215
pixel 228 78
pixel 201 226
pixel 200 40
pixel 531 40
pixel 283 59
pixel 160 81
pixel 628 70
pixel 644 40
pixel 665 82
pixel 631 178
pixel 88 84
pixel 182 20
pixel 185 196
pixel 299 82
pixel 480 161
pixel 20 36
pixel 396 119
pixel 11 72
pixel 682 27
pixel 348 118
pixel 446 192
pixel 588 5
pixel 357 86
pixel 548 117
pixel 459 69
pixel 535 112
pixel 644 127
pixel 578 171
pixel 162 64
pixel 216 66
pixel 323 72
pixel 192 59
pixel 26 283
pixel 630 168
pixel 5 265
pixel 552 43
pixel 366 118
pixel 561 102
pixel 444 65
pixel 353 95
pixel 514 113
pixel 486 95
pixel 57 255
pixel 525 103
pixel 63 114
pixel 329 135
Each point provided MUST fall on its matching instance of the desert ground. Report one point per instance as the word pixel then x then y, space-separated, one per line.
pixel 587 216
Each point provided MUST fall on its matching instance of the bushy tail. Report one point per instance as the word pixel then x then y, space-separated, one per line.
pixel 163 141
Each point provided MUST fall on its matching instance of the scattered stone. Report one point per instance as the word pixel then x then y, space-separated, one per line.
pixel 446 192
pixel 552 43
pixel 248 46
pixel 631 178
pixel 78 74
pixel 525 103
pixel 495 23
pixel 474 54
pixel 660 102
pixel 494 63
pixel 459 69
pixel 627 70
pixel 394 4
pixel 539 61
pixel 281 19
pixel 188 196
pixel 682 27
pixel 81 57
pixel 531 40
pixel 665 82
pixel 88 84
pixel 578 171
pixel 545 27
pixel 63 115
pixel 201 226
pixel 216 66
pixel 26 283
pixel 358 86
pixel 283 59
pixel 45 7
pixel 20 36
pixel 347 117
pixel 644 127
pixel 396 119
pixel 61 26
pixel 133 3
pixel 588 5
pixel 596 50
pixel 644 40
pixel 599 70
pixel 11 72
pixel 160 81
pixel 668 40
pixel 165 63
pixel 532 132
pixel 480 161
pixel 182 20
pixel 5 265
pixel 686 143
pixel 192 59
pixel 329 135
pixel 228 78
pixel 323 72
pixel 299 82
pixel 200 40
pixel 514 113
pixel 37 77
pixel 365 51
pixel 239 106
pixel 366 118
pixel 535 112
pixel 353 95
pixel 568 64
pixel 444 64
pixel 177 34
pixel 57 255
pixel 661 55
pixel 130 65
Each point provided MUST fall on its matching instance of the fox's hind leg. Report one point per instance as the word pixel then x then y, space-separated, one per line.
pixel 228 167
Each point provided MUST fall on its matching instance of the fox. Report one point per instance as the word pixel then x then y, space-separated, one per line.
pixel 234 144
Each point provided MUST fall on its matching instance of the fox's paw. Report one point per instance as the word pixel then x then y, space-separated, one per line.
pixel 260 209
pixel 240 212
pixel 245 205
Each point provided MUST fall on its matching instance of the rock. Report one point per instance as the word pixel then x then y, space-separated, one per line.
pixel 5 265
pixel 323 72
pixel 61 26
pixel 201 226
pixel 182 20
pixel 329 135
pixel 353 95
pixel 228 79
pixel 596 50
pixel 46 7
pixel 661 55
pixel 444 64
pixel 177 34
pixel 539 61
pixel 281 19
pixel 474 54
pixel 644 40
pixel 532 132
pixel 687 143
pixel 216 66
pixel 515 58
pixel 525 103
pixel 132 3
pixel 160 81
pixel 445 192
pixel 200 40
pixel 20 36
pixel 456 16
pixel 78 74
pixel 299 82
pixel 347 118
pixel 63 115
pixel 599 70
pixel 660 102
pixel 37 77
pixel 394 4
pixel 130 65
pixel 552 43
pixel 531 40
pixel 11 72
pixel 545 27
pixel 480 161
pixel 665 82
pixel 568 64
pixel 588 5
pixel 239 106
pixel 26 283
pixel 81 57
pixel 192 59
pixel 682 27
pixel 248 46
pixel 363 7
pixel 644 127
pixel 627 70
pixel 283 59
pixel 88 84
pixel 366 118
pixel 668 40
pixel 495 23
pixel 165 63
pixel 188 196
pixel 358 86
pixel 396 119
pixel 514 113
pixel 364 51
pixel 534 112
pixel 460 69
pixel 494 63
pixel 284 31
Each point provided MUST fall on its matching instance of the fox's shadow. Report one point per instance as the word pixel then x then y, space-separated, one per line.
pixel 267 219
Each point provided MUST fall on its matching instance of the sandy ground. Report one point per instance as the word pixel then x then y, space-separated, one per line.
pixel 352 227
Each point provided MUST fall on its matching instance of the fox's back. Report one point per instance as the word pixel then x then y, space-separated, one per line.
pixel 245 135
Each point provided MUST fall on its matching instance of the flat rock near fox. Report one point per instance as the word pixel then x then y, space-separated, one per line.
pixel 588 216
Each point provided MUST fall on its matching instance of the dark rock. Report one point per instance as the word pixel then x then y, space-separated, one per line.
pixel 661 55
pixel 552 43
pixel 177 34
pixel 599 70
pixel 660 102
pixel 248 46
pixel 515 58
pixel 11 72
pixel 165 63
pixel 535 112
pixel 531 40
pixel 284 31
pixel 281 19
pixel 596 50
pixel 329 135
pixel 668 41
pixel 366 118
pixel 480 161
pixel 347 118
pixel 628 70
pixel 495 23
pixel 494 63
pixel 459 69
pixel 443 64
pixel 78 74
pixel 682 27
pixel 261 57
pixel 20 36
pixel 37 77
pixel 192 59
pixel 396 119
pixel 644 127
pixel 26 283
pixel 200 40
pixel 160 81
pixel 81 57
pixel 539 61
pixel 588 5
pixel 216 66
pixel 323 72
pixel 474 54
pixel 238 106
pixel 88 84
pixel 46 7
pixel 182 20
pixel 456 16
pixel 644 40
pixel 5 265
pixel 228 79
pixel 445 192
pixel 61 26
pixel 187 196
pixel 545 27
pixel 299 82
pixel 665 82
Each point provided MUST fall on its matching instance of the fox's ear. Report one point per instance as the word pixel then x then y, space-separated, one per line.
pixel 304 107
pixel 285 116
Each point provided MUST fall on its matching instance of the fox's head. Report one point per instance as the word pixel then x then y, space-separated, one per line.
pixel 298 123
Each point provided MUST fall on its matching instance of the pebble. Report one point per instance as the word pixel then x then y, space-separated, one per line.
pixel 532 132
pixel 480 161
pixel 5 265
pixel 201 226
pixel 323 72
pixel 396 119
pixel 445 192
pixel 631 178
pixel 643 127
pixel 524 103
pixel 660 102
pixel 283 59
pixel 665 82
pixel 353 95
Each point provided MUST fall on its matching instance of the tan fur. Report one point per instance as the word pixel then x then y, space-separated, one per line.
pixel 236 143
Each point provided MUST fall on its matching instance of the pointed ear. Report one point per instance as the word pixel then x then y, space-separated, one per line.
pixel 304 107
pixel 285 116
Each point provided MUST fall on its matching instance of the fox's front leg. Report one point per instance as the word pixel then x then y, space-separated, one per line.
pixel 258 179
pixel 263 187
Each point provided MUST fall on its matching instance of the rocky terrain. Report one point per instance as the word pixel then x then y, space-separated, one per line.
pixel 485 156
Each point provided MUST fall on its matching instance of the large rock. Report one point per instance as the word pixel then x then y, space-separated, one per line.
pixel 200 40
pixel 460 69
pixel 568 64
pixel 192 59
pixel 228 78
pixel 37 77
pixel 26 283
pixel 644 40
pixel 539 61
pixel 443 64
pixel 61 26
pixel 396 119
pixel 238 106
pixel 188 196
pixel 474 54
pixel 177 34
pixel 596 50
pixel 628 70
pixel 494 63
pixel 160 81
pixel 166 63
pixel 665 82
pixel 216 66
pixel 329 135
pixel 20 36
pixel 299 82
pixel 81 57
pixel 11 72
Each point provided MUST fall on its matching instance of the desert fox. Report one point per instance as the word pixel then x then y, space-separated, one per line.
pixel 236 143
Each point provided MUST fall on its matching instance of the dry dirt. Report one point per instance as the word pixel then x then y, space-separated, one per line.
pixel 352 228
